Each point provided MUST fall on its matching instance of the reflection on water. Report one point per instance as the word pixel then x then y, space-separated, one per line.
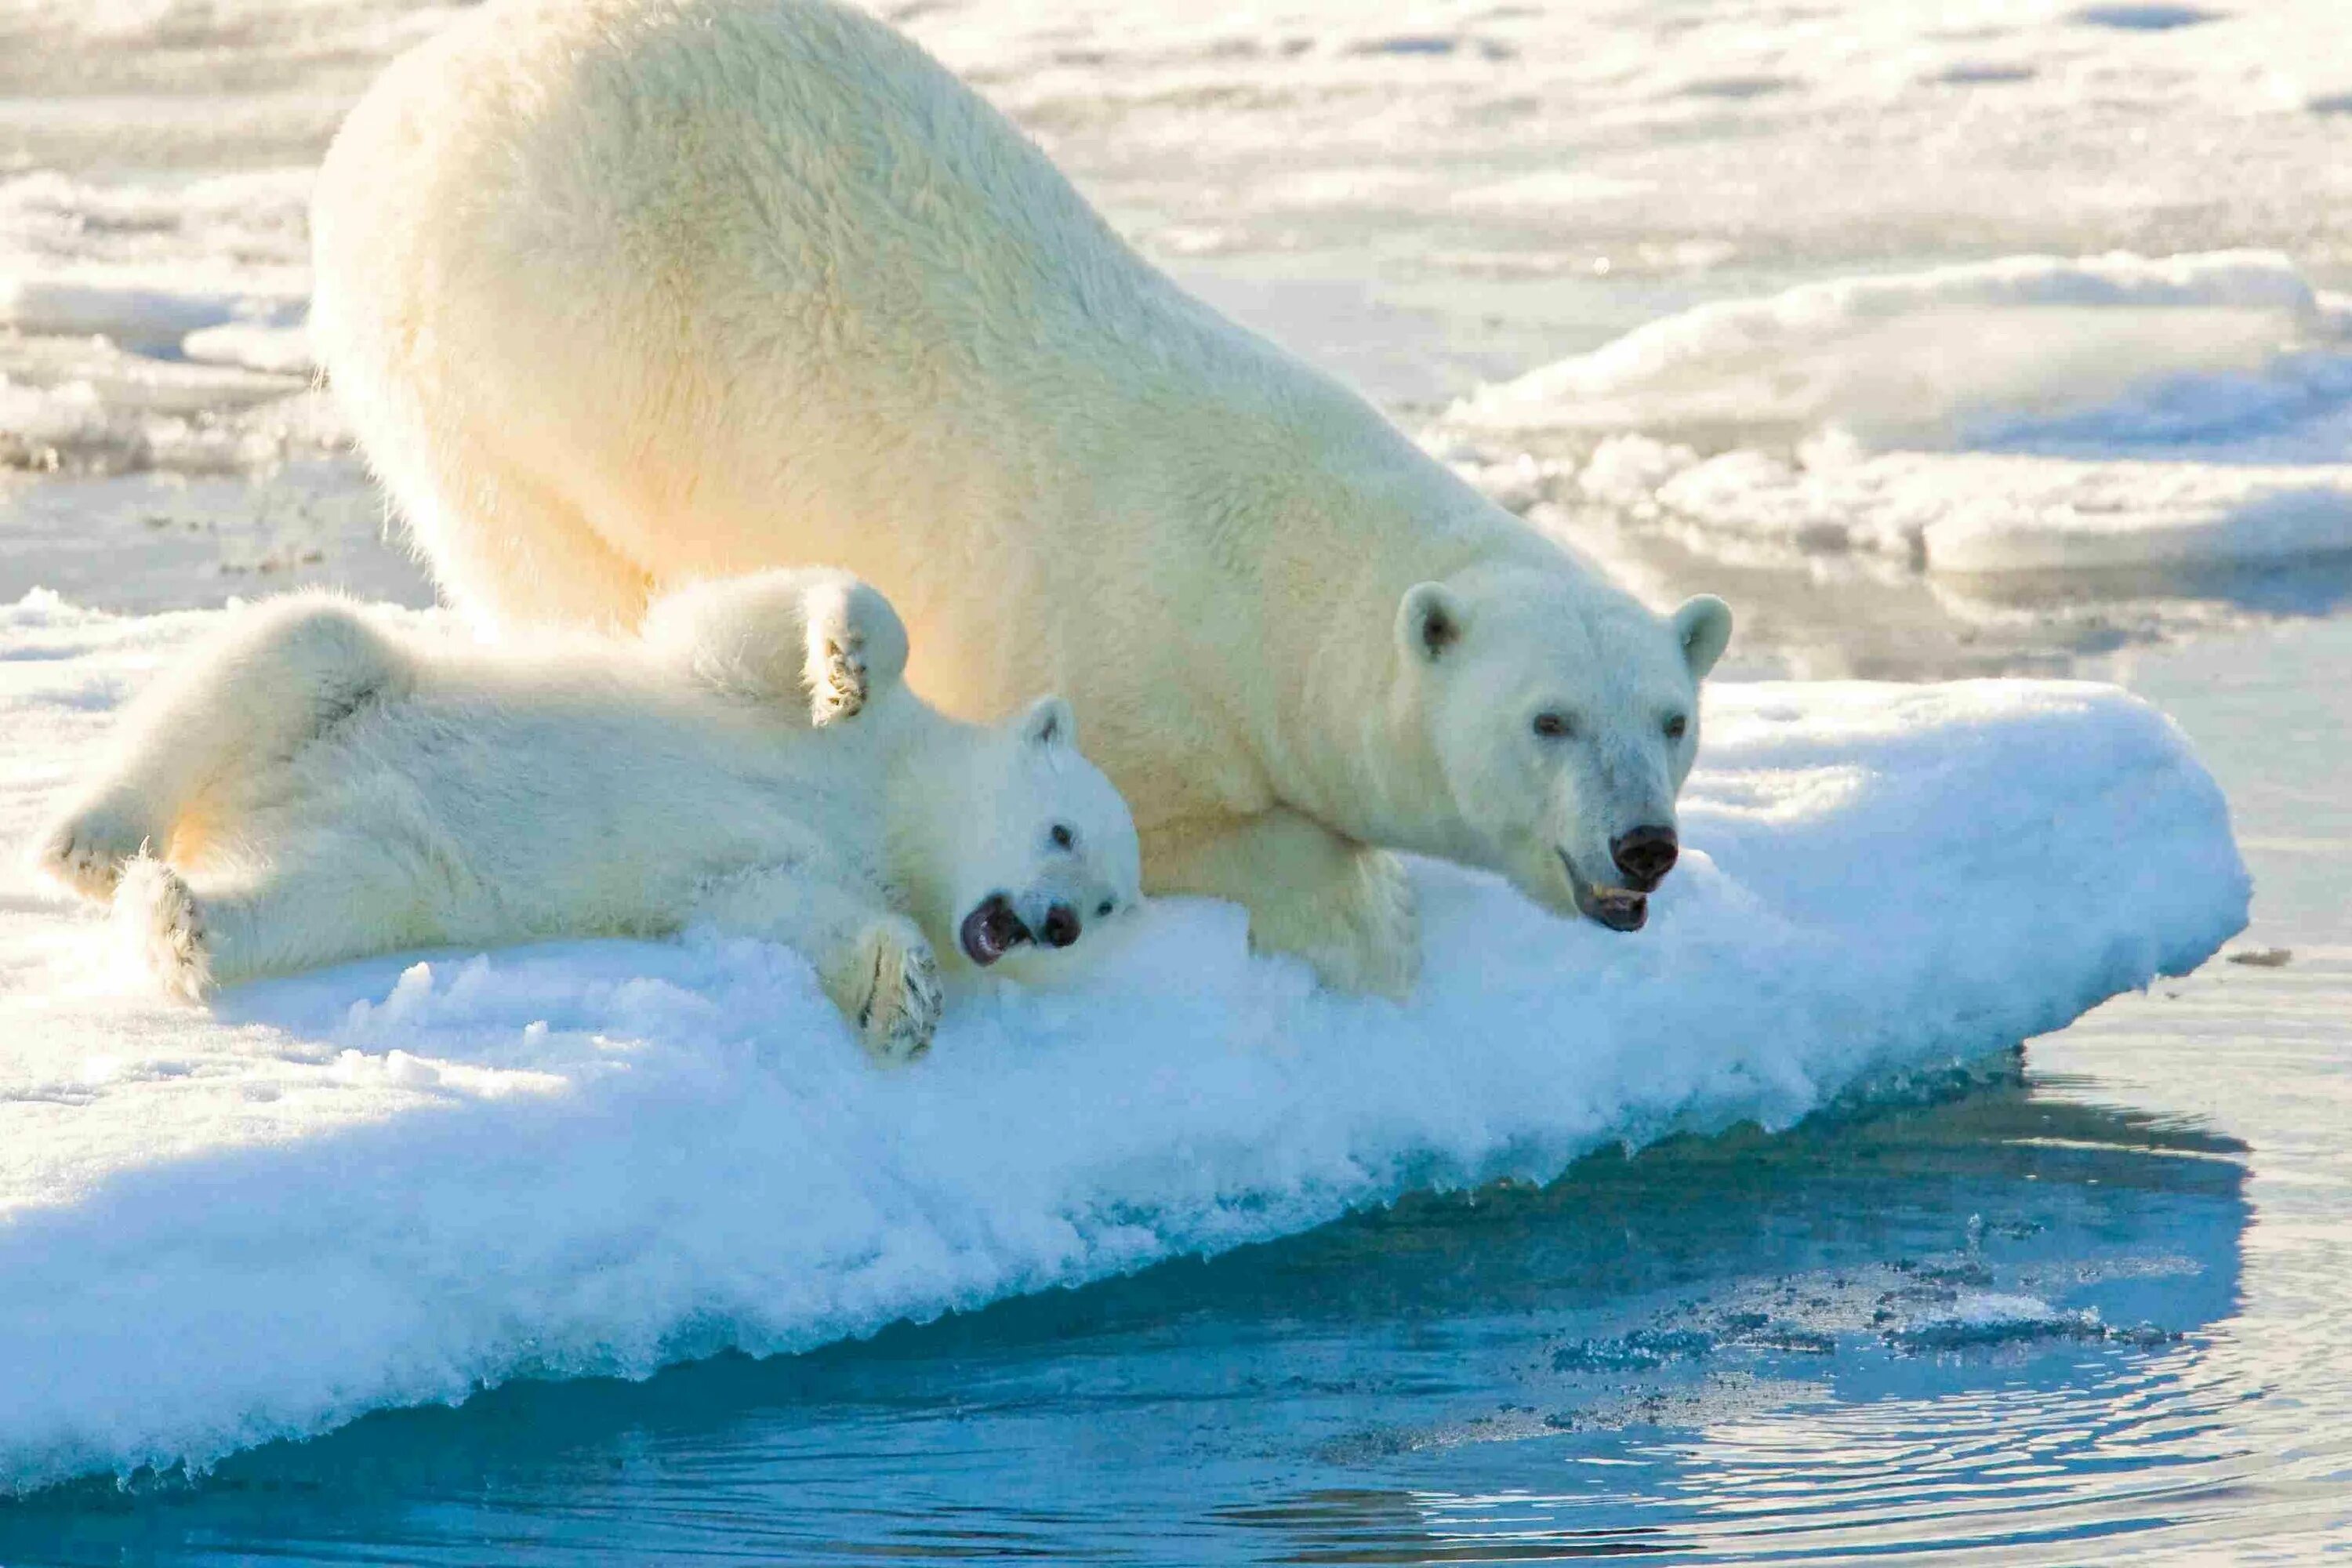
pixel 1690 1346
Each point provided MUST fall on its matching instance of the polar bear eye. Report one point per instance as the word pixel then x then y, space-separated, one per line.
pixel 1103 909
pixel 1676 727
pixel 1062 836
pixel 1554 726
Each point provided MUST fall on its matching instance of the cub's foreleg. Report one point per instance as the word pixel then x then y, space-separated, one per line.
pixel 246 704
pixel 873 964
pixel 813 639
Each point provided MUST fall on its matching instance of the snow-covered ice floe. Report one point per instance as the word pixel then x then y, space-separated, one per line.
pixel 2026 414
pixel 1980 511
pixel 398 1182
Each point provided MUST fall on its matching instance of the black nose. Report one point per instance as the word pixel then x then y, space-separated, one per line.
pixel 1645 854
pixel 1061 927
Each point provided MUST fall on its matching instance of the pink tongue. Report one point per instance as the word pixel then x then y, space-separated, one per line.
pixel 991 932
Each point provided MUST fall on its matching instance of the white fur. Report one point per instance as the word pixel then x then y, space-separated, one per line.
pixel 619 292
pixel 318 787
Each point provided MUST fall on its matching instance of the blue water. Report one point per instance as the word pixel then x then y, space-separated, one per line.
pixel 1748 1348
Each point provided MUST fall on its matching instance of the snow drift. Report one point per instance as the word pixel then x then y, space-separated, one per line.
pixel 398 1182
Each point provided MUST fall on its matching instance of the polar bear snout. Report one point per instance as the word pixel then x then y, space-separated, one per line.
pixel 1644 854
pixel 995 926
pixel 1060 926
pixel 992 929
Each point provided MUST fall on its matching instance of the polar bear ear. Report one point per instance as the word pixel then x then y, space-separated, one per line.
pixel 1429 621
pixel 1050 722
pixel 1703 626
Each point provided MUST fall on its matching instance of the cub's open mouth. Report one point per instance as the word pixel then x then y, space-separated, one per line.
pixel 1614 907
pixel 991 930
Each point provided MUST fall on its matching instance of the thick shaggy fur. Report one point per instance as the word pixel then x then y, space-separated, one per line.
pixel 623 291
pixel 319 786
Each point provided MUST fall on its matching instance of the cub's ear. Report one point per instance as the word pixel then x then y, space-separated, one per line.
pixel 1429 622
pixel 1703 626
pixel 1049 723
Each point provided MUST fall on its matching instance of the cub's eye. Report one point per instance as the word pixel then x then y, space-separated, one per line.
pixel 1062 836
pixel 1676 727
pixel 1554 726
pixel 1103 909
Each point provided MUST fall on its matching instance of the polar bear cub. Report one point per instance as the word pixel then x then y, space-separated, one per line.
pixel 319 786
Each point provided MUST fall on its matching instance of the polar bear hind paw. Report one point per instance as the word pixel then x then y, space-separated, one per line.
pixel 837 683
pixel 904 998
pixel 86 852
pixel 162 928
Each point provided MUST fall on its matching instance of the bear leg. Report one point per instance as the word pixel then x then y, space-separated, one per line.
pixel 856 648
pixel 506 547
pixel 873 964
pixel 296 898
pixel 250 702
pixel 1342 906
pixel 889 984
pixel 160 928
pixel 813 637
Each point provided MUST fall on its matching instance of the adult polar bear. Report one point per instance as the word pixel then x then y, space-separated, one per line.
pixel 620 293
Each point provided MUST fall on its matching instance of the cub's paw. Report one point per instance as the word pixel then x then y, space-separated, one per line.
pixel 162 928
pixel 837 683
pixel 85 851
pixel 903 999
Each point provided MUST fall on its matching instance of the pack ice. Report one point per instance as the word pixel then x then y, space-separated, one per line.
pixel 400 1181
pixel 2031 414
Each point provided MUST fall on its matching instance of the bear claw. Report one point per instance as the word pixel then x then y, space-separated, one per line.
pixel 87 853
pixel 904 1001
pixel 838 692
pixel 162 928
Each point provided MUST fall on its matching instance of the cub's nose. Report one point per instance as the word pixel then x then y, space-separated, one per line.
pixel 1645 854
pixel 1062 927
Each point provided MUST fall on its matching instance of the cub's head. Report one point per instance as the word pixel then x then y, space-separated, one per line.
pixel 1561 717
pixel 1043 848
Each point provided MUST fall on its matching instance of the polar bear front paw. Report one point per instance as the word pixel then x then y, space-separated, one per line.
pixel 903 997
pixel 837 676
pixel 86 850
pixel 162 928
pixel 1358 929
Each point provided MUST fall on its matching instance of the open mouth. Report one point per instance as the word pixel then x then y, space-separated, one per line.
pixel 1616 908
pixel 991 930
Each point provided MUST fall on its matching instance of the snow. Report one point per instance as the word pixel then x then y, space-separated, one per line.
pixel 400 1181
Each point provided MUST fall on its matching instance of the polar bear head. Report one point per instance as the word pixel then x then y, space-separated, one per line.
pixel 1562 717
pixel 1036 847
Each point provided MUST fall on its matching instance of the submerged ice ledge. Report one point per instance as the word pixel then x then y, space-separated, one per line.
pixel 401 1181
